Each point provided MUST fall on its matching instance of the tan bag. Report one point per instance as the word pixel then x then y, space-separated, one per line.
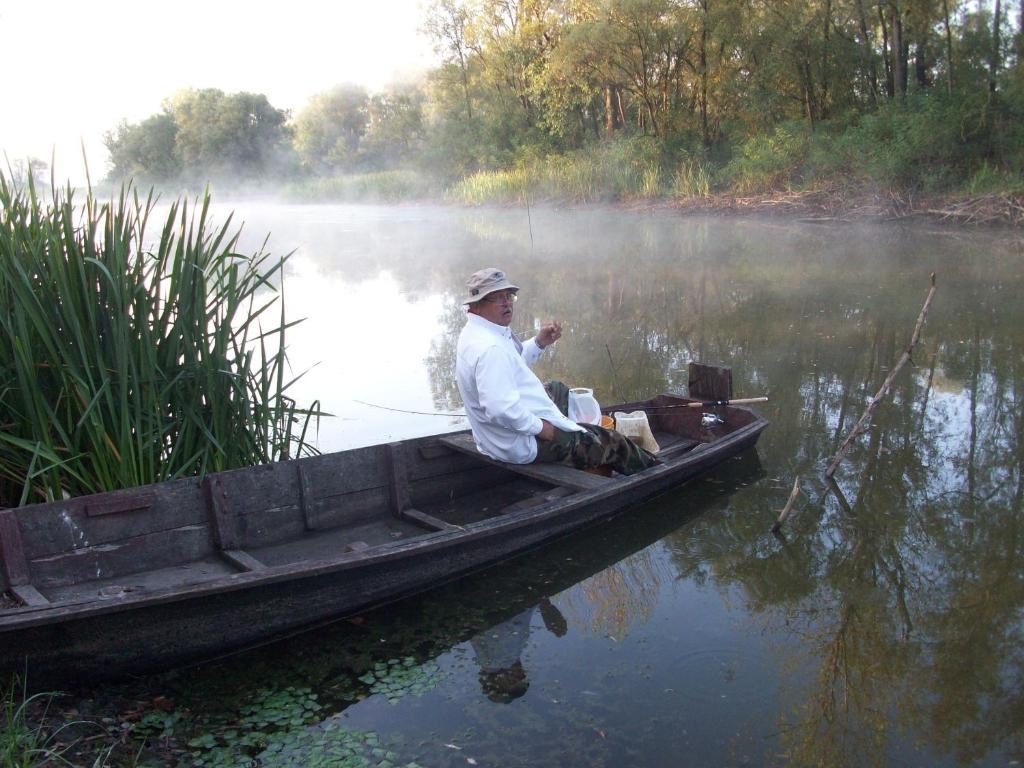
pixel 636 427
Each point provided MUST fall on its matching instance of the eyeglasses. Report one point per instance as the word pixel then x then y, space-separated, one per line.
pixel 501 298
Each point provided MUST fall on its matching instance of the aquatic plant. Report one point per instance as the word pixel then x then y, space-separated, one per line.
pixel 131 360
pixel 398 678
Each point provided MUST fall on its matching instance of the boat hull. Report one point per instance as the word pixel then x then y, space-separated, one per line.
pixel 141 631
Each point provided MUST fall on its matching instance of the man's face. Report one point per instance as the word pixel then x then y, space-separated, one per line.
pixel 496 307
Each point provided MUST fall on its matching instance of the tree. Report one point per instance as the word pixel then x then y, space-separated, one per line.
pixel 447 22
pixel 239 135
pixel 328 131
pixel 144 150
pixel 33 168
pixel 395 127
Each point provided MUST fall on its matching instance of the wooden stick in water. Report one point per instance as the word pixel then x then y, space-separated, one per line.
pixel 788 509
pixel 860 427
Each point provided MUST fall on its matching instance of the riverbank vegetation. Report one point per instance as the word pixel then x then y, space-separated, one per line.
pixel 638 99
pixel 134 356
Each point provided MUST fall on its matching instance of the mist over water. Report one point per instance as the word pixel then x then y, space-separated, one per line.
pixel 886 627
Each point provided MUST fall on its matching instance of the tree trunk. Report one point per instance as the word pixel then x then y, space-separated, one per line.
pixel 609 111
pixel 465 85
pixel 921 59
pixel 890 83
pixel 868 54
pixel 704 82
pixel 994 61
pixel 825 53
pixel 949 47
pixel 898 50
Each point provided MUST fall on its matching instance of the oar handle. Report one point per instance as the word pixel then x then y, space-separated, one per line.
pixel 739 401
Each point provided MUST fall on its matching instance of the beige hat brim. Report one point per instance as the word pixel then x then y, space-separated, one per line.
pixel 503 285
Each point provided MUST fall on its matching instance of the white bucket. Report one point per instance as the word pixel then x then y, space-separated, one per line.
pixel 636 427
pixel 583 408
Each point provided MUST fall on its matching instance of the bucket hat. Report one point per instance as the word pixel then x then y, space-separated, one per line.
pixel 485 281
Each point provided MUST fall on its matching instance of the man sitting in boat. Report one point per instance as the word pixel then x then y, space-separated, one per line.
pixel 511 413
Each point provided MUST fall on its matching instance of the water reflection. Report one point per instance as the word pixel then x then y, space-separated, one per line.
pixel 887 626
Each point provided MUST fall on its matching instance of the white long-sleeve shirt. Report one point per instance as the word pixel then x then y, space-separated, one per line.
pixel 504 399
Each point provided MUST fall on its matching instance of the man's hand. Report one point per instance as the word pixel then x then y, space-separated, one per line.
pixel 547 431
pixel 549 334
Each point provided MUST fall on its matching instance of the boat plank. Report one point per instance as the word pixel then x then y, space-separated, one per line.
pixel 309 509
pixel 429 522
pixel 242 560
pixel 29 595
pixel 556 474
pixel 60 526
pixel 160 549
pixel 398 478
pixel 12 550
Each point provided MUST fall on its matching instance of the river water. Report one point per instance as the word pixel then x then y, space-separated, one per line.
pixel 884 627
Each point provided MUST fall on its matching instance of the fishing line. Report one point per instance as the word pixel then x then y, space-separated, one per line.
pixel 403 410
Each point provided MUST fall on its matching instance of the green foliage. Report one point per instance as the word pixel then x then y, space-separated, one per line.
pixel 927 142
pixel 613 170
pixel 530 96
pixel 382 186
pixel 145 150
pixel 768 162
pixel 329 129
pixel 131 359
pixel 201 135
pixel 236 135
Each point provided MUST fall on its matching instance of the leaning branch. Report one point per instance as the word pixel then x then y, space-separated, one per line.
pixel 861 425
pixel 788 509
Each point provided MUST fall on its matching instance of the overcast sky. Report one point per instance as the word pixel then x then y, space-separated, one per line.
pixel 76 69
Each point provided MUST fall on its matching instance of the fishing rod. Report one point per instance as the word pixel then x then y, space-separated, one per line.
pixel 710 403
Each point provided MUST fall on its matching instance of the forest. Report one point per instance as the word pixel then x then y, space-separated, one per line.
pixel 628 99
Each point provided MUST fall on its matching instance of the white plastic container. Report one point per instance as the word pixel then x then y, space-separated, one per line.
pixel 636 427
pixel 583 408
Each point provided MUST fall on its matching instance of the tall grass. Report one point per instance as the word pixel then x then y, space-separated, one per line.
pixel 128 361
pixel 616 170
pixel 25 740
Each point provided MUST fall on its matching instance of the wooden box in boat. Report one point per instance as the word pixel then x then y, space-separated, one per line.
pixel 159 575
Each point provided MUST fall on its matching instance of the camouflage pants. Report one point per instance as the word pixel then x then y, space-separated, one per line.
pixel 594 447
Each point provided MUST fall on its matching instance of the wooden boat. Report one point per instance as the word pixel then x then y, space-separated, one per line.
pixel 160 575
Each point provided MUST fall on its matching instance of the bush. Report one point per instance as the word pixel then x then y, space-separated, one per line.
pixel 610 170
pixel 769 162
pixel 132 360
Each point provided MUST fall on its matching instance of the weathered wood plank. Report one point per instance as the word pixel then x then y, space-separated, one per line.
pixel 104 504
pixel 556 474
pixel 429 522
pixel 709 382
pixel 222 522
pixel 309 509
pixel 398 478
pixel 12 550
pixel 61 526
pixel 28 595
pixel 535 501
pixel 151 551
pixel 242 560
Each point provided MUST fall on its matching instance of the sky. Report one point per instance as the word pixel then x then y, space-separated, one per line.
pixel 76 69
